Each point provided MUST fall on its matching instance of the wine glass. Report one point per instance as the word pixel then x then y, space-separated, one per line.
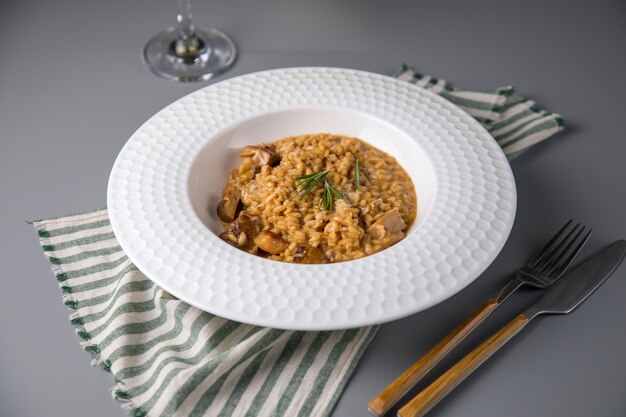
pixel 189 53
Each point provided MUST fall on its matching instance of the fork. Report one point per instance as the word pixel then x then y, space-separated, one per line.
pixel 540 271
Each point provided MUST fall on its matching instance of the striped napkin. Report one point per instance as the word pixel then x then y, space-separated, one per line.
pixel 171 359
pixel 514 122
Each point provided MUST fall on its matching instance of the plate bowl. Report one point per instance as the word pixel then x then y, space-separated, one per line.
pixel 168 178
pixel 210 168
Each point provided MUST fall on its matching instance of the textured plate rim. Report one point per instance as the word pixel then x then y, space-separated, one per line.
pixel 330 324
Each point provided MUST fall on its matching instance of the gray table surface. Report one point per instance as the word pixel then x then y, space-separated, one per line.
pixel 73 89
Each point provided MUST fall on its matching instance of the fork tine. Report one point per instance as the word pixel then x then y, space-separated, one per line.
pixel 561 250
pixel 561 267
pixel 542 253
pixel 558 251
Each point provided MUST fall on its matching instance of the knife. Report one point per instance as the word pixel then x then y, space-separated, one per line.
pixel 563 298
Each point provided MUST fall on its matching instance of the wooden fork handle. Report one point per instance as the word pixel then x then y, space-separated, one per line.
pixel 396 390
pixel 432 394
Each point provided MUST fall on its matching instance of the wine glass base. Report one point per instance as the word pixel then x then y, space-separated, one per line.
pixel 217 54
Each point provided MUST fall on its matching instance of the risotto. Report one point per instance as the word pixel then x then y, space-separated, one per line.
pixel 316 198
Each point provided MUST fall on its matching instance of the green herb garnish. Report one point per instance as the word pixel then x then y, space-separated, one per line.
pixel 326 201
pixel 306 183
pixel 357 176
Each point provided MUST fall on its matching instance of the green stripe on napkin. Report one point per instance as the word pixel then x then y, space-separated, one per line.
pixel 171 359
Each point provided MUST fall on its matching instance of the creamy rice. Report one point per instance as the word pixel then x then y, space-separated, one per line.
pixel 272 203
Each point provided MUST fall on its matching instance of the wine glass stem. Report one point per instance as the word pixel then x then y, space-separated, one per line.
pixel 185 29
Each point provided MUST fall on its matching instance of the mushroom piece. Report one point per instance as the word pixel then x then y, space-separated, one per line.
pixel 240 233
pixel 248 169
pixel 264 155
pixel 228 208
pixel 389 224
pixel 309 255
pixel 270 242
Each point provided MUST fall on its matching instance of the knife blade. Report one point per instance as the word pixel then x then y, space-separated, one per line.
pixel 577 285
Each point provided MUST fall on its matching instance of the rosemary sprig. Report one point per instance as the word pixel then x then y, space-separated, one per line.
pixel 357 175
pixel 327 200
pixel 306 183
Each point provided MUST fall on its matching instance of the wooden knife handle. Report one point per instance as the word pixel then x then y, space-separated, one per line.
pixel 396 390
pixel 432 394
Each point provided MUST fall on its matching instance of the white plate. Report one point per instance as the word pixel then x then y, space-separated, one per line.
pixel 168 178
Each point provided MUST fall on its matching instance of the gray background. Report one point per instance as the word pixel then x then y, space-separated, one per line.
pixel 73 89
